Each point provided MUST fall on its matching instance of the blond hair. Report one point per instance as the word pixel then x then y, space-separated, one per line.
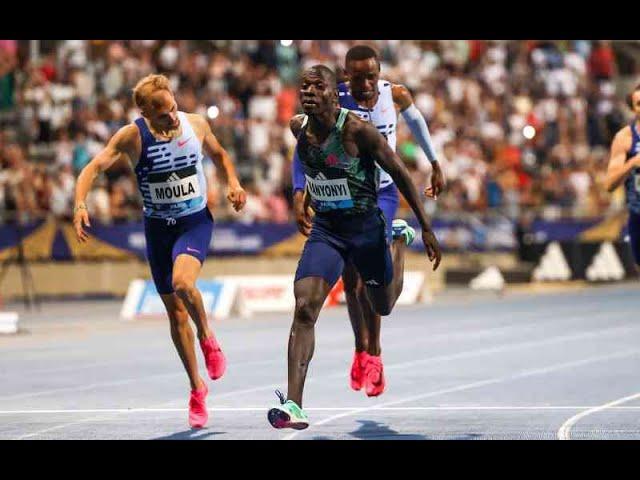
pixel 147 86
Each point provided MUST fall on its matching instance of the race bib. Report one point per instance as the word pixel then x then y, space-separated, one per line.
pixel 330 193
pixel 636 181
pixel 174 187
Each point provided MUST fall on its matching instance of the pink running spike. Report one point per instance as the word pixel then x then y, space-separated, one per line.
pixel 198 415
pixel 213 357
pixel 374 376
pixel 357 370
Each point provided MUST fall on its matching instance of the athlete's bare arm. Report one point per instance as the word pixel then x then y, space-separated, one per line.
pixel 301 200
pixel 404 100
pixel 368 139
pixel 619 168
pixel 401 96
pixel 123 146
pixel 235 193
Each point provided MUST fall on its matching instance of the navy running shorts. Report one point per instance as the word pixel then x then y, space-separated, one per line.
pixel 168 238
pixel 634 235
pixel 363 239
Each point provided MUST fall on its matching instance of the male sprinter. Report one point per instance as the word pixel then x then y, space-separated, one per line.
pixel 164 147
pixel 338 152
pixel 624 166
pixel 376 101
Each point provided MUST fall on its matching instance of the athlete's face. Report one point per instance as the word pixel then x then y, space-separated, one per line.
pixel 317 93
pixel 162 111
pixel 635 101
pixel 363 78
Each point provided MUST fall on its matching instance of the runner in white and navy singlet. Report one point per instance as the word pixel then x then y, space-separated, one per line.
pixel 165 148
pixel 632 191
pixel 624 167
pixel 174 194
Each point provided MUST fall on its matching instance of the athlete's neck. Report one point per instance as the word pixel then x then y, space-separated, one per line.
pixel 371 103
pixel 321 124
pixel 168 134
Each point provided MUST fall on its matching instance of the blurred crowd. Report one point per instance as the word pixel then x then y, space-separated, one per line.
pixel 517 125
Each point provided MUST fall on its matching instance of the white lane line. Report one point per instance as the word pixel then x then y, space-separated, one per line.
pixel 318 409
pixel 468 386
pixel 564 432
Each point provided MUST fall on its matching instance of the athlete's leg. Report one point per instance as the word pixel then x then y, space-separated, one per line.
pixel 160 241
pixel 319 268
pixel 353 289
pixel 371 254
pixel 186 270
pixel 388 200
pixel 189 253
pixel 310 294
pixel 182 337
pixel 398 249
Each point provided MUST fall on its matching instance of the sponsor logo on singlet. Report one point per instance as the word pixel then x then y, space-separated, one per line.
pixel 173 187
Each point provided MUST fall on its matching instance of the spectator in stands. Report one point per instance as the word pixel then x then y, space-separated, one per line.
pixel 516 122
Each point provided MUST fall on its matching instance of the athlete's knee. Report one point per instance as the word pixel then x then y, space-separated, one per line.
pixel 183 286
pixel 307 311
pixel 383 306
pixel 384 309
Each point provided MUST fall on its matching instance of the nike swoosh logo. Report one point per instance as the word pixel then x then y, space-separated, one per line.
pixel 189 249
pixel 182 144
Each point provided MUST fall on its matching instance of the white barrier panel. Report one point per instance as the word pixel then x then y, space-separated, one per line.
pixel 411 288
pixel 142 299
pixel 263 293
pixel 489 279
pixel 8 322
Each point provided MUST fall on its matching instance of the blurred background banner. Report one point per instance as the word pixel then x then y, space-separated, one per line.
pixel 49 240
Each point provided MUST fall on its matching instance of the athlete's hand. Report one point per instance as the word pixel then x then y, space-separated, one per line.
pixel 237 196
pixel 432 247
pixel 437 182
pixel 80 218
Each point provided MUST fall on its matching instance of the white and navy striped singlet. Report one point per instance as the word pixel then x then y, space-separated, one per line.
pixel 632 182
pixel 169 172
pixel 383 115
